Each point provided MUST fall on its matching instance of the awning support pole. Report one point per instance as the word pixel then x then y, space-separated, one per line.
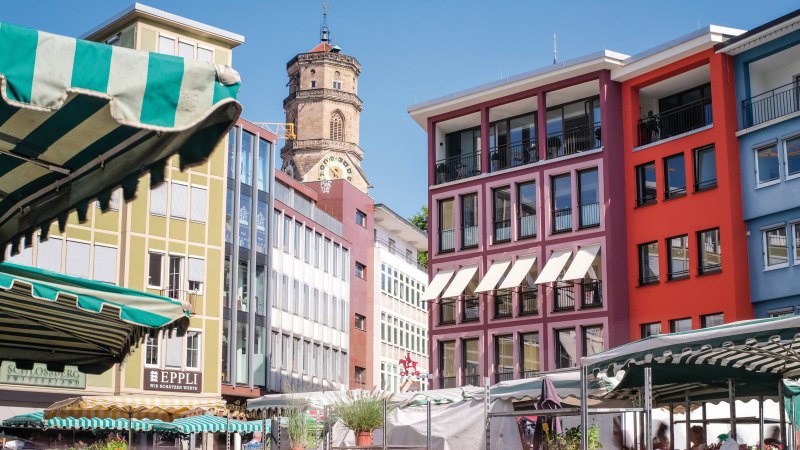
pixel 732 406
pixel 487 417
pixel 385 425
pixel 688 414
pixel 228 431
pixel 705 423
pixel 782 413
pixel 584 408
pixel 264 429
pixel 428 425
pixel 648 407
pixel 672 423
pixel 193 441
pixel 130 429
pixel 328 432
pixel 760 420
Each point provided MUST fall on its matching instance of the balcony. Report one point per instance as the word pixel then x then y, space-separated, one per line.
pixel 447 312
pixel 513 155
pixel 770 105
pixel 591 293
pixel 502 230
pixel 573 140
pixel 502 304
pixel 447 240
pixel 563 296
pixel 675 121
pixel 527 226
pixel 447 382
pixel 562 220
pixel 471 311
pixel 504 375
pixel 471 380
pixel 530 373
pixel 528 301
pixel 404 256
pixel 458 167
pixel 469 236
pixel 590 215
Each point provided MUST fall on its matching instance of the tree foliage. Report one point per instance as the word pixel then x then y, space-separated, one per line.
pixel 420 220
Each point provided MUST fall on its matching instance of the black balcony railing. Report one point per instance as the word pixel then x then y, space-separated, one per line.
pixel 469 236
pixel 529 373
pixel 591 293
pixel 513 155
pixel 447 240
pixel 590 215
pixel 471 380
pixel 471 312
pixel 528 301
pixel 458 167
pixel 502 304
pixel 562 220
pixel 573 140
pixel 447 382
pixel 447 312
pixel 675 121
pixel 527 226
pixel 563 296
pixel 502 230
pixel 770 105
pixel 504 375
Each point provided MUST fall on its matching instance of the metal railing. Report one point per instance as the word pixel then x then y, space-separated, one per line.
pixel 573 140
pixel 504 376
pixel 471 312
pixel 771 104
pixel 458 167
pixel 527 226
pixel 447 312
pixel 529 373
pixel 513 155
pixel 447 382
pixel 502 304
pixel 447 240
pixel 473 380
pixel 469 236
pixel 590 215
pixel 675 121
pixel 562 220
pixel 563 296
pixel 528 301
pixel 502 230
pixel 393 250
pixel 591 293
pixel 190 298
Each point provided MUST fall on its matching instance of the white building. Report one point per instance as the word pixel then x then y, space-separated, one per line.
pixel 403 328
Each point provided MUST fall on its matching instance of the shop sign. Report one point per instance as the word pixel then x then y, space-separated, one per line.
pixel 172 380
pixel 70 378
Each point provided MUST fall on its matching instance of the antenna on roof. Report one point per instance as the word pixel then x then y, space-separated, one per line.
pixel 555 51
pixel 324 32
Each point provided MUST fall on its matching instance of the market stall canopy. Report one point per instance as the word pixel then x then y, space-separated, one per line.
pixel 63 320
pixel 79 119
pixel 567 384
pixel 123 407
pixel 437 285
pixel 36 420
pixel 27 420
pixel 756 353
pixel 208 424
pixel 438 396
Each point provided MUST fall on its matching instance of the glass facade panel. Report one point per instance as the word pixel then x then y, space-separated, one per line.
pixel 244 220
pixel 263 164
pixel 259 356
pixel 226 336
pixel 261 227
pixel 243 286
pixel 246 163
pixel 229 216
pixel 261 290
pixel 242 367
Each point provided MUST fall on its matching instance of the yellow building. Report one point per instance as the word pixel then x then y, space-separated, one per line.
pixel 168 241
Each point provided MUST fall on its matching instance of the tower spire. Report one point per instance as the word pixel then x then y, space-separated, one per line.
pixel 324 32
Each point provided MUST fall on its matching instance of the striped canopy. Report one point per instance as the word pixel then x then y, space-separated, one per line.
pixel 123 407
pixel 79 119
pixel 63 320
pixel 27 420
pixel 36 420
pixel 437 396
pixel 566 383
pixel 756 353
pixel 208 424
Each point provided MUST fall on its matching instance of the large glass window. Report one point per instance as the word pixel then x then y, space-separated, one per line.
pixel 232 151
pixel 593 341
pixel 446 225
pixel 226 336
pixel 244 286
pixel 244 220
pixel 651 329
pixel 469 220
pixel 263 164
pixel 246 171
pixel 259 355
pixel 710 253
pixel 776 248
pixel 447 364
pixel 648 263
pixel 680 325
pixel 152 350
pixel 470 362
pixel 589 200
pixel 526 200
pixel 261 290
pixel 674 176
pixel 229 216
pixel 287 232
pixel 792 156
pixel 529 352
pixel 646 184
pixel 504 357
pixel 193 350
pixel 462 150
pixel 562 203
pixel 501 217
pixel 565 347
pixel 175 277
pixel 512 142
pixel 573 127
pixel 705 168
pixel 261 227
pixel 767 165
pixel 712 320
pixel 678 262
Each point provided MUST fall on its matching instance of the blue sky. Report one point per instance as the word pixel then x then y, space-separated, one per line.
pixel 413 51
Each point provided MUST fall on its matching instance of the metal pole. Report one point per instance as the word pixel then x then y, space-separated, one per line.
pixel 228 431
pixel 705 423
pixel 428 425
pixel 385 425
pixel 327 442
pixel 486 416
pixel 264 426
pixel 782 413
pixel 192 441
pixel 268 264
pixel 584 408
pixel 672 424
pixel 732 406
pixel 130 429
pixel 688 414
pixel 648 407
pixel 760 420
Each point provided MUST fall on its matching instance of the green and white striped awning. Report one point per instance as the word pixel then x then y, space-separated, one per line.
pixel 566 383
pixel 36 420
pixel 62 320
pixel 27 420
pixel 208 424
pixel 756 353
pixel 437 396
pixel 79 119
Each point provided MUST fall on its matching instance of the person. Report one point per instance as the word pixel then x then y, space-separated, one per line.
pixel 698 437
pixel 661 440
pixel 726 442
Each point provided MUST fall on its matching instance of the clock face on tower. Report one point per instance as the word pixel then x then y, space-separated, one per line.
pixel 335 168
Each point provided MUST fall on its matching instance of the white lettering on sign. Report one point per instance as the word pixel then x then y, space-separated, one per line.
pixel 172 380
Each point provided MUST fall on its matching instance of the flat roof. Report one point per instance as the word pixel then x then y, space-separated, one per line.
pixel 762 33
pixel 406 228
pixel 140 10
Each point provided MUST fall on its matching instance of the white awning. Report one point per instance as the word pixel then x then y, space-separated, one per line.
pixel 517 273
pixel 460 281
pixel 437 284
pixel 493 276
pixel 582 262
pixel 554 266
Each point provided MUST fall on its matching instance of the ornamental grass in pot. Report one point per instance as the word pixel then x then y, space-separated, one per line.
pixel 301 430
pixel 362 412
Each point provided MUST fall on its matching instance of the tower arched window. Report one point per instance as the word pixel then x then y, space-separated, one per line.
pixel 337 126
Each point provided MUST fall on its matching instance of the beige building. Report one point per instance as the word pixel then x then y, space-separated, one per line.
pixel 170 241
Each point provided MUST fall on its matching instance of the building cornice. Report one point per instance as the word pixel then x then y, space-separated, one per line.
pixel 309 95
pixel 328 57
pixel 322 146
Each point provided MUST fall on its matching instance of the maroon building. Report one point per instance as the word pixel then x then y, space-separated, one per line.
pixel 527 251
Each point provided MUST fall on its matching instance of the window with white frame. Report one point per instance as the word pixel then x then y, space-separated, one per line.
pixel 175 277
pixel 158 199
pixel 776 248
pixel 197 204
pixel 193 350
pixel 152 348
pixel 177 209
pixel 155 269
pixel 77 263
pixel 196 275
pixel 49 254
pixel 186 50
pixel 205 54
pixel 791 156
pixel 166 45
pixel 767 165
pixel 105 264
pixel 173 349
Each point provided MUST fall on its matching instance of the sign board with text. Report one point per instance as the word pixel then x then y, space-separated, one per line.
pixel 70 378
pixel 172 380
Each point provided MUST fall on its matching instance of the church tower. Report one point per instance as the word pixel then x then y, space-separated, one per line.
pixel 324 107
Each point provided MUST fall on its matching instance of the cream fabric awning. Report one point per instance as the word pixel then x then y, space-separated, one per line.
pixel 582 262
pixel 493 276
pixel 460 281
pixel 554 266
pixel 437 284
pixel 517 273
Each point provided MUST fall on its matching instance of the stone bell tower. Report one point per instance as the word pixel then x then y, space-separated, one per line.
pixel 324 106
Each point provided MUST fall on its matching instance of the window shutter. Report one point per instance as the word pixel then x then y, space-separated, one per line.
pixel 197 207
pixel 174 350
pixel 196 269
pixel 105 264
pixel 158 199
pixel 49 257
pixel 77 259
pixel 178 205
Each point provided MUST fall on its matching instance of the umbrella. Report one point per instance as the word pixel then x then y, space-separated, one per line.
pixel 546 427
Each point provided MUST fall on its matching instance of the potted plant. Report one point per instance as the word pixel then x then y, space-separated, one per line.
pixel 362 412
pixel 441 172
pixel 495 160
pixel 302 433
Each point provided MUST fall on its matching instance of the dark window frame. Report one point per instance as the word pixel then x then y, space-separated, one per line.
pixel 704 319
pixel 475 221
pixel 673 322
pixel 674 193
pixel 578 178
pixel 672 274
pixel 642 198
pixel 362 320
pixel 647 280
pixel 495 221
pixel 644 326
pixel 555 211
pixel 520 204
pixel 709 184
pixel 702 267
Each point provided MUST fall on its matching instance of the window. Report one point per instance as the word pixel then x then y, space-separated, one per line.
pixel 197 204
pixel 105 264
pixel 361 322
pixel 337 85
pixel 174 278
pixel 177 209
pixel 781 312
pixel 337 124
pixel 712 320
pixel 246 163
pixel 678 260
pixel 680 325
pixel 593 341
pixel 674 176
pixel 501 218
pixel 152 350
pixel 262 168
pixel 173 349
pixel 205 54
pixel 158 199
pixel 562 203
pixel 360 375
pixel 326 261
pixel 298 237
pixel 651 329
pixel 589 198
pixel 796 227
pixel 166 45
pixel 195 275
pixel 77 263
pixel 313 84
pixel 297 350
pixel 565 348
pixel 287 231
pixel 529 352
pixel 504 357
pixel 345 263
pixel 49 254
pixel 155 269
pixel 709 252
pixel 186 50
pixel 791 156
pixel 307 245
pixel 705 169
pixel 776 248
pixel 470 362
pixel 646 184
pixel 648 263
pixel 526 201
pixel 469 220
pixel 285 349
pixel 193 350
pixel 446 225
pixel 361 219
pixel 767 165
pixel 361 271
